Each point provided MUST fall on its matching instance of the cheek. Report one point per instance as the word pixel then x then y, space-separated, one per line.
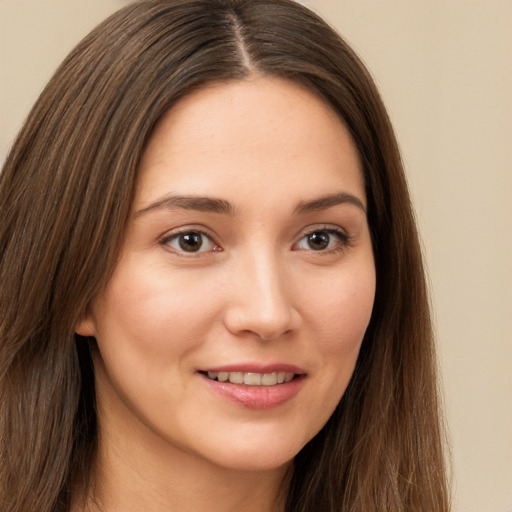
pixel 338 321
pixel 147 323
pixel 343 310
pixel 337 318
pixel 153 312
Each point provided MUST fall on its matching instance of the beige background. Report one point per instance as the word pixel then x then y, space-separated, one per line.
pixel 445 71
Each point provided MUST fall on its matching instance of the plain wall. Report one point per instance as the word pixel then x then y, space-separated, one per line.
pixel 445 71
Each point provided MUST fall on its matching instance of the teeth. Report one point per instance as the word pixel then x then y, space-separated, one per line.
pixel 236 377
pixel 269 379
pixel 252 379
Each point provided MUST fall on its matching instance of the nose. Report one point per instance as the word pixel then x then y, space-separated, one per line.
pixel 262 300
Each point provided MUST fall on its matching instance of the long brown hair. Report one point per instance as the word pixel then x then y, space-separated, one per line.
pixel 65 194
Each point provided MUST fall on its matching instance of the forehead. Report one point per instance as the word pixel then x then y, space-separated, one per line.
pixel 268 132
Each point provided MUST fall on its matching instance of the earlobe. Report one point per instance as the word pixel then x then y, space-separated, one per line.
pixel 85 326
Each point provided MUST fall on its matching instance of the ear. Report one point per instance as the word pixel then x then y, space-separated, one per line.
pixel 85 326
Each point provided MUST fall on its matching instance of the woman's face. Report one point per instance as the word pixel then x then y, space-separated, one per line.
pixel 247 261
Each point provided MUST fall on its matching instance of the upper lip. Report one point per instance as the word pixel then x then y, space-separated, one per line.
pixel 257 368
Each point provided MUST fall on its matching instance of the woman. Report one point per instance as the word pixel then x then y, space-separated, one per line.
pixel 212 290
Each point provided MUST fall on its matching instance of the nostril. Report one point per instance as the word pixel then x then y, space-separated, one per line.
pixel 262 304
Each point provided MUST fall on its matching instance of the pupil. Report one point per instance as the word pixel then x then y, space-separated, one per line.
pixel 191 242
pixel 318 240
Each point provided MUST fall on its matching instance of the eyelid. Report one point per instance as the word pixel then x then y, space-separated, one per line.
pixel 174 233
pixel 332 229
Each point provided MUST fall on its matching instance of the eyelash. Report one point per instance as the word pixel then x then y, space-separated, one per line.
pixel 343 243
pixel 168 238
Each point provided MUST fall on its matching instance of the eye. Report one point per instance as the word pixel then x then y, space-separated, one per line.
pixel 190 242
pixel 323 240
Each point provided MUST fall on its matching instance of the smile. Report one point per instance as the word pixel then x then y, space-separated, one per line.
pixel 252 379
pixel 271 386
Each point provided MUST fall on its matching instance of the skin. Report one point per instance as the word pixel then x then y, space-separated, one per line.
pixel 257 288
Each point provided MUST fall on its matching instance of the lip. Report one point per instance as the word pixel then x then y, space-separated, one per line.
pixel 257 368
pixel 256 397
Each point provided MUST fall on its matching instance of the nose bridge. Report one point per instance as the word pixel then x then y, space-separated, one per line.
pixel 263 303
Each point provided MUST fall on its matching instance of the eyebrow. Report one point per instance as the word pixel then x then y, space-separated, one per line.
pixel 214 205
pixel 198 203
pixel 328 201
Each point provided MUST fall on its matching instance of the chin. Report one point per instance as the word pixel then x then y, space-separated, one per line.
pixel 251 462
pixel 263 454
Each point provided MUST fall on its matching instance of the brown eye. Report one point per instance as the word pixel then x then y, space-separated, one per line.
pixel 323 240
pixel 190 242
pixel 318 240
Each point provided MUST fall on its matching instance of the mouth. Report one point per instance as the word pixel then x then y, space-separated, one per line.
pixel 252 378
pixel 255 386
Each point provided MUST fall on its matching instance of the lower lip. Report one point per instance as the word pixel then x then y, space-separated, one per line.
pixel 257 397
